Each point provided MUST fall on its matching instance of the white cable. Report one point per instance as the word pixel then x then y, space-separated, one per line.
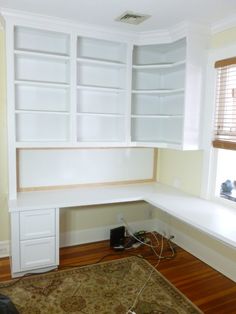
pixel 149 277
pixel 137 239
pixel 159 256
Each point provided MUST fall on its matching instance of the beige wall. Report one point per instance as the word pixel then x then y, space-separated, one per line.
pixel 223 39
pixel 180 169
pixel 4 221
pixel 72 219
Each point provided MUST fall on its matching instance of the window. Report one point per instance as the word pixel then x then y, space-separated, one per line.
pixel 225 186
pixel 225 117
pixel 225 129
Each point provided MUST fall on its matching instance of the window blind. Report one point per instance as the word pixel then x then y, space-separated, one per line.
pixel 225 114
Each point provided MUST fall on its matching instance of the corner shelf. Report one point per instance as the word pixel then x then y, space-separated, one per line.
pixel 158 91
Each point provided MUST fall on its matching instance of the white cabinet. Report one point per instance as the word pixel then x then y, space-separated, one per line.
pixel 74 90
pixel 37 224
pixel 38 253
pixel 35 240
pixel 166 89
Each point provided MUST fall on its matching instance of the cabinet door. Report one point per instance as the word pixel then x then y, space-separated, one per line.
pixel 38 253
pixel 37 224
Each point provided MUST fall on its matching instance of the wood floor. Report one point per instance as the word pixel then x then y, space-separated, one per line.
pixel 209 290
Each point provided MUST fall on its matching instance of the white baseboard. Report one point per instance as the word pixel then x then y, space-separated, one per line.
pixel 209 256
pixel 4 248
pixel 99 234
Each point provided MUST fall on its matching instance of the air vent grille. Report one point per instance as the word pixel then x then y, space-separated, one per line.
pixel 132 18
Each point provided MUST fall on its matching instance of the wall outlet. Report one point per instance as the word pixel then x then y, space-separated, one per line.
pixel 120 217
pixel 176 183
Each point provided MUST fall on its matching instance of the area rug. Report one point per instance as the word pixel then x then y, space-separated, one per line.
pixel 105 288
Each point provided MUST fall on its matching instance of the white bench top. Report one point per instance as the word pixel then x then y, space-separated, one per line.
pixel 215 219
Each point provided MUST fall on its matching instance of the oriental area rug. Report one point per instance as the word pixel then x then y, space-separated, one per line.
pixel 105 288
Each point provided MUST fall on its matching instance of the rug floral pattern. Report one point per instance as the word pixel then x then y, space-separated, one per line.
pixel 104 288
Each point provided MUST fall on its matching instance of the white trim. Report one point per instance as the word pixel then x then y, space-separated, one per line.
pixel 59 24
pixel 209 162
pixel 203 252
pixel 162 35
pixel 4 248
pixel 223 24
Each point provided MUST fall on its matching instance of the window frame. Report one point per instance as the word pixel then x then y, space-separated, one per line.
pixel 210 154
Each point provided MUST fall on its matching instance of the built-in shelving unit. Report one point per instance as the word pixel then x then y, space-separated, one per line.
pixel 101 90
pixel 158 93
pixel 70 87
pixel 42 80
pixel 86 91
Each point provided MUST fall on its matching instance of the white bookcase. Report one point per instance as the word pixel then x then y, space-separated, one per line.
pixel 42 81
pixel 101 90
pixel 73 90
pixel 161 82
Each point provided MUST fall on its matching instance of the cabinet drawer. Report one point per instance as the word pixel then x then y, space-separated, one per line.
pixel 38 253
pixel 37 224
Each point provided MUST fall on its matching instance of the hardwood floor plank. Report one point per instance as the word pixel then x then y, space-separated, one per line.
pixel 212 292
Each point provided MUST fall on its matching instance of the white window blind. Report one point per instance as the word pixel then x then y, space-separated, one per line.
pixel 225 115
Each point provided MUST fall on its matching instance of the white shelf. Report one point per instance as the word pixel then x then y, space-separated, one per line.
pixel 42 83
pixel 158 91
pixel 42 112
pixel 159 66
pixel 41 54
pixel 156 116
pixel 101 62
pixel 100 88
pixel 45 144
pixel 99 114
pixel 161 144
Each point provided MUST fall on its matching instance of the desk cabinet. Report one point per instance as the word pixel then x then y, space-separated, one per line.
pixel 34 240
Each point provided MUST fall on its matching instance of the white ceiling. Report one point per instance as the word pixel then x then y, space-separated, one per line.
pixel 164 13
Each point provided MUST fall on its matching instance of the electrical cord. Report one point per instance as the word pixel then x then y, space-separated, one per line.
pixel 132 308
pixel 159 256
pixel 101 259
pixel 153 247
pixel 136 238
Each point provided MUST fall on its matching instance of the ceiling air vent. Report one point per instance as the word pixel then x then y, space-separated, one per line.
pixel 132 18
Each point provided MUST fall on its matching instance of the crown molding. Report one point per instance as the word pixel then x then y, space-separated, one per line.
pixel 223 24
pixel 171 34
pixel 46 22
pixel 164 35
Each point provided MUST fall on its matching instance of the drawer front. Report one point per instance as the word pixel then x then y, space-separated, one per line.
pixel 37 224
pixel 38 253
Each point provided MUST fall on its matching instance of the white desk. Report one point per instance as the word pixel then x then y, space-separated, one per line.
pixel 33 209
